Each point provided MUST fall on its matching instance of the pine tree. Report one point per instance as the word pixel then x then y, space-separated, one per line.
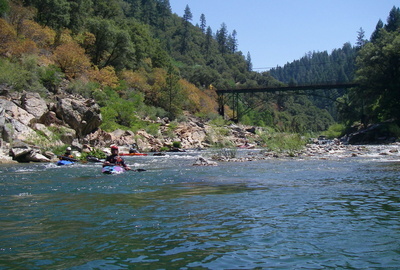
pixel 393 21
pixel 248 62
pixel 187 17
pixel 361 41
pixel 232 42
pixel 376 34
pixel 203 23
pixel 222 38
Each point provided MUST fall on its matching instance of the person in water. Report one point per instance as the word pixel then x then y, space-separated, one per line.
pixel 134 149
pixel 67 154
pixel 115 159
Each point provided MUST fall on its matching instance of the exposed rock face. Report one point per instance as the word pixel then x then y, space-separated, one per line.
pixel 26 117
pixel 81 115
pixel 34 104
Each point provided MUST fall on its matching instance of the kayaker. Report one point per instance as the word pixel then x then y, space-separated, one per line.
pixel 115 159
pixel 67 153
pixel 134 149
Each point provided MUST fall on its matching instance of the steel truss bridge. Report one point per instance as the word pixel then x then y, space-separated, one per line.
pixel 233 95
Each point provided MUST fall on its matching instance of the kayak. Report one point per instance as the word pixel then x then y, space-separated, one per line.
pixel 112 170
pixel 133 154
pixel 64 162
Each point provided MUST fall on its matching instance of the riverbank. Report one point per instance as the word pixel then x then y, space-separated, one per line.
pixel 30 126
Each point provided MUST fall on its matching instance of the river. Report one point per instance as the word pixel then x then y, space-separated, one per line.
pixel 289 213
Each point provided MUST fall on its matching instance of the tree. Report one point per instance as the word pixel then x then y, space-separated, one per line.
pixel 232 42
pixel 208 42
pixel 376 34
pixel 164 11
pixel 172 96
pixel 81 10
pixel 222 38
pixel 203 24
pixel 187 17
pixel 71 59
pixel 53 13
pixel 4 7
pixel 393 21
pixel 112 45
pixel 379 75
pixel 248 62
pixel 361 41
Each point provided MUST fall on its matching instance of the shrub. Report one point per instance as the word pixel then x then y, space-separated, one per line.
pixel 177 144
pixel 335 131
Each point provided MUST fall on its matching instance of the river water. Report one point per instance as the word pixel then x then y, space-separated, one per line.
pixel 309 213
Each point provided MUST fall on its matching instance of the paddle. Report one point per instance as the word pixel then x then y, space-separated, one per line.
pixel 93 159
pixel 67 158
pixel 135 170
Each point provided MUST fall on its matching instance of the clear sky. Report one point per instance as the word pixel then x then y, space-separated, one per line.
pixel 279 31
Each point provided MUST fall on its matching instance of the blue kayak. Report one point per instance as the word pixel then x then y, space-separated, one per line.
pixel 64 162
pixel 112 170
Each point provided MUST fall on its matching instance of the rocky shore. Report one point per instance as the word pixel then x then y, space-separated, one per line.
pixel 30 124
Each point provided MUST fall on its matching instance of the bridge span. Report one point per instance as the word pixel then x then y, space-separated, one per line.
pixel 222 93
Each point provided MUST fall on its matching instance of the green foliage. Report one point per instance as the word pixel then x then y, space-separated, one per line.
pixel 176 144
pixel 50 77
pixel 24 75
pixel 146 36
pixel 96 152
pixel 282 142
pixel 379 76
pixel 4 7
pixel 218 121
pixel 335 131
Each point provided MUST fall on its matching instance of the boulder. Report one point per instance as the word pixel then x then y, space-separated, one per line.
pixel 13 111
pixel 20 150
pixel 22 132
pixel 34 104
pixel 82 115
pixel 204 162
pixel 36 157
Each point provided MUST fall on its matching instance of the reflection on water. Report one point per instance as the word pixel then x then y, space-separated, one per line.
pixel 285 214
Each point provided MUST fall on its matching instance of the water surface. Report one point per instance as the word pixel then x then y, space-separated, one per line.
pixel 278 214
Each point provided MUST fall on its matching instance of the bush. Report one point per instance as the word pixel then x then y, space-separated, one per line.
pixel 177 144
pixel 283 142
pixel 335 131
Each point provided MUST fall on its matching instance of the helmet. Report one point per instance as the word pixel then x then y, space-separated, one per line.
pixel 69 149
pixel 114 147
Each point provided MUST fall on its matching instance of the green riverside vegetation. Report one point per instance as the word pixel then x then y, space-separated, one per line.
pixel 139 60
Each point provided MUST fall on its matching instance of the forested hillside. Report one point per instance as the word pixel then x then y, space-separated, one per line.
pixel 139 61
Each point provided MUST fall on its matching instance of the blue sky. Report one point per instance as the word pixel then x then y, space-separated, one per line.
pixel 279 31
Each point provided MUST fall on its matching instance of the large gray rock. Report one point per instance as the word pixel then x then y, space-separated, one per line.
pixel 11 110
pixel 34 104
pixel 83 115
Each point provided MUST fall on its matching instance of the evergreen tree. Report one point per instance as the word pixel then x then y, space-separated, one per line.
pixel 164 11
pixel 53 13
pixel 379 76
pixel 81 12
pixel 222 38
pixel 248 62
pixel 187 17
pixel 393 21
pixel 203 24
pixel 232 42
pixel 361 41
pixel 376 34
pixel 208 42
